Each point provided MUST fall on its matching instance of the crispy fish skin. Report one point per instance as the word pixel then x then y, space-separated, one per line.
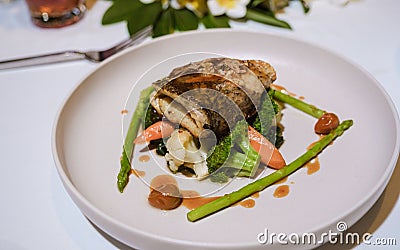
pixel 263 70
pixel 232 69
pixel 215 93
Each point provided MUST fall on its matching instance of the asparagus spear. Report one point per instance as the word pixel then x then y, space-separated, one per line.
pixel 259 185
pixel 297 103
pixel 136 120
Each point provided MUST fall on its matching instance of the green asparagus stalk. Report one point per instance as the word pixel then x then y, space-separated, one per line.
pixel 297 103
pixel 129 146
pixel 259 185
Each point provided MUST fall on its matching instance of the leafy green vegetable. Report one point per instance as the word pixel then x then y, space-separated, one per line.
pixel 246 164
pixel 128 147
pixel 161 148
pixel 259 185
pixel 266 115
pixel 235 151
pixel 219 154
pixel 269 114
pixel 219 177
pixel 275 134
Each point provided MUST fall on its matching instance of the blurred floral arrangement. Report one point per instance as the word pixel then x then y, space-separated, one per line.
pixel 166 16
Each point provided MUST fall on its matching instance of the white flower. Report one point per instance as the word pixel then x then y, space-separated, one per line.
pixel 196 6
pixel 176 4
pixel 232 8
pixel 147 1
pixel 164 3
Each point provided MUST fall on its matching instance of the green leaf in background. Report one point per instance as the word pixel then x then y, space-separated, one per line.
pixel 256 3
pixel 120 10
pixel 306 7
pixel 211 21
pixel 166 19
pixel 185 20
pixel 145 15
pixel 165 24
pixel 261 17
pixel 274 5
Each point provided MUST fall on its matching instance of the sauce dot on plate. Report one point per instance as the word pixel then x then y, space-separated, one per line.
pixel 313 166
pixel 248 203
pixel 281 191
pixel 144 158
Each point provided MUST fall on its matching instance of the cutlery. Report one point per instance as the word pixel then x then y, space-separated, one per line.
pixel 72 55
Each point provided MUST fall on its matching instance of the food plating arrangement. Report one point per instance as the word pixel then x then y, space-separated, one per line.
pixel 215 120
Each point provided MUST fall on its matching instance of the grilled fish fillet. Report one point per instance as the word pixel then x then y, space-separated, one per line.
pixel 212 94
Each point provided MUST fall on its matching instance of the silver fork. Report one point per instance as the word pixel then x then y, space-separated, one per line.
pixel 72 55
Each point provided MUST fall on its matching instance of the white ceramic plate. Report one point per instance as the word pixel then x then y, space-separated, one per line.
pixel 87 142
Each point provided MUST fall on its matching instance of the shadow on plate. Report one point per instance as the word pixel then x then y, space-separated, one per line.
pixel 113 241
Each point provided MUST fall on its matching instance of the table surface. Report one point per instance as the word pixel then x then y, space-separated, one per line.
pixel 40 215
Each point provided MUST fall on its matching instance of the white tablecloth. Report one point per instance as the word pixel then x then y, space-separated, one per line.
pixel 35 210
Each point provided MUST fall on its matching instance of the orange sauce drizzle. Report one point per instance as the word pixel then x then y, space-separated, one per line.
pixel 313 166
pixel 282 89
pixel 192 203
pixel 255 195
pixel 138 173
pixel 192 199
pixel 281 191
pixel 163 179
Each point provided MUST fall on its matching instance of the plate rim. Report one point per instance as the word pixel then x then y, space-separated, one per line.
pixel 107 219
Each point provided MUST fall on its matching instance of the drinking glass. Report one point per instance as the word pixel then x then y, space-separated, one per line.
pixel 56 13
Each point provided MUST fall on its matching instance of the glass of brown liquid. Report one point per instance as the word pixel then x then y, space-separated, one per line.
pixel 56 13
